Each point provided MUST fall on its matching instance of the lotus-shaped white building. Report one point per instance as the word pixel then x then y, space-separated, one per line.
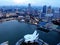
pixel 31 37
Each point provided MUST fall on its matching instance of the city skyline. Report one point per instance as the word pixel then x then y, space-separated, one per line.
pixel 54 3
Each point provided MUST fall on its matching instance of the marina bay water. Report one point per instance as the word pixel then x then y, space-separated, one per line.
pixel 13 31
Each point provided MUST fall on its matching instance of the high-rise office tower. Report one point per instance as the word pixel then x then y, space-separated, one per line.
pixel 49 13
pixel 29 9
pixel 44 9
pixel 53 11
pixel 29 5
pixel 59 10
pixel 49 10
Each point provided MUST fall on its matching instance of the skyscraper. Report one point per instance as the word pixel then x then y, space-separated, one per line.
pixel 59 13
pixel 44 9
pixel 29 5
pixel 29 9
pixel 59 10
pixel 53 11
pixel 49 10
